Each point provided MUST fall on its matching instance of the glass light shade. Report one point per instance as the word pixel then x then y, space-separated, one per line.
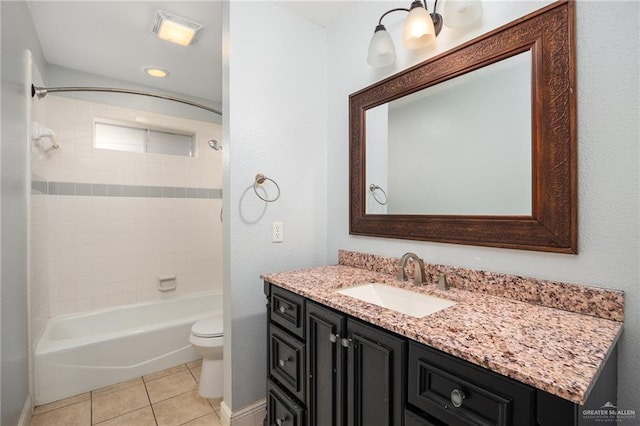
pixel 381 52
pixel 418 29
pixel 461 13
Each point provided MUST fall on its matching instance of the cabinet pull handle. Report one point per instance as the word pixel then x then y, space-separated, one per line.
pixel 284 308
pixel 457 396
pixel 333 337
pixel 345 342
pixel 281 421
pixel 283 362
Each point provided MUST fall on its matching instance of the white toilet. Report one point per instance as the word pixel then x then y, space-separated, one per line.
pixel 206 338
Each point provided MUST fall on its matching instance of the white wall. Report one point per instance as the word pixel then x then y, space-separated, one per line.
pixel 275 123
pixel 608 157
pixel 17 35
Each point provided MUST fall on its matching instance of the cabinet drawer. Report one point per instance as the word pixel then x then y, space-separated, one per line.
pixel 287 361
pixel 460 393
pixel 281 409
pixel 287 310
pixel 413 419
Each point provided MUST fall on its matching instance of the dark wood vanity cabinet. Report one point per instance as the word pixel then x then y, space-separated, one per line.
pixel 459 393
pixel 326 362
pixel 330 369
pixel 286 355
pixel 281 408
pixel 355 371
pixel 326 368
pixel 445 390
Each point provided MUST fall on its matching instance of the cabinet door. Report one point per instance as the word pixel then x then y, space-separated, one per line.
pixel 325 361
pixel 375 371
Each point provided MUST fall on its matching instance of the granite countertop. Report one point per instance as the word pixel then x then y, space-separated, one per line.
pixel 554 350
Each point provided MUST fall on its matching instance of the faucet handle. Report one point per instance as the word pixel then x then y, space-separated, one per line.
pixel 442 282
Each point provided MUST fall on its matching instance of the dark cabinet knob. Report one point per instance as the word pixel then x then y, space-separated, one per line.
pixel 457 396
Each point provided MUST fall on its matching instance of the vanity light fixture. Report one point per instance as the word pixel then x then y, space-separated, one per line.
pixel 420 28
pixel 176 29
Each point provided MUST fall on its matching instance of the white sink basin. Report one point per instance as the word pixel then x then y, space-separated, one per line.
pixel 397 299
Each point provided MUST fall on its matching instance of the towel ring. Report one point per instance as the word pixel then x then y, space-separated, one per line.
pixel 259 180
pixel 373 187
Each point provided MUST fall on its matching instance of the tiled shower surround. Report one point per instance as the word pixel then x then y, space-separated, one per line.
pixel 105 225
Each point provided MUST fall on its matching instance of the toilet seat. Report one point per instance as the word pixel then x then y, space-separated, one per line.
pixel 208 327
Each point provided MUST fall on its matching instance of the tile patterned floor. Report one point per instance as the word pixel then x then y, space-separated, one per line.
pixel 166 398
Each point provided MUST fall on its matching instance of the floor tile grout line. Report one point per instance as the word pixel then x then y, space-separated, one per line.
pixel 92 397
pixel 121 414
pixel 192 375
pixel 166 375
pixel 173 396
pixel 153 413
pixel 189 421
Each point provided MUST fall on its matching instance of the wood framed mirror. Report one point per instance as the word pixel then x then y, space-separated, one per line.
pixel 545 217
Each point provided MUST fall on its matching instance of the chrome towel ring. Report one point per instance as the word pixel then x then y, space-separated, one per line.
pixel 373 188
pixel 259 180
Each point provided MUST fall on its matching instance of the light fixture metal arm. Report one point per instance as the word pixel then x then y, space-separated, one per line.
pixel 397 9
pixel 436 18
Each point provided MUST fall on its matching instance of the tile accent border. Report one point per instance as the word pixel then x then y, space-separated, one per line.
pixel 112 190
pixel 598 302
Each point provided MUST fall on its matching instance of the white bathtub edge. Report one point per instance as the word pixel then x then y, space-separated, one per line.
pixel 136 305
pixel 99 362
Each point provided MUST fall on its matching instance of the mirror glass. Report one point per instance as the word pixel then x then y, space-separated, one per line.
pixel 460 147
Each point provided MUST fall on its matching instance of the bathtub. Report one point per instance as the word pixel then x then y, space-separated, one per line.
pixel 82 352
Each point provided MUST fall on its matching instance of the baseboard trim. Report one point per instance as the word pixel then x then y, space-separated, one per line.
pixel 25 415
pixel 250 415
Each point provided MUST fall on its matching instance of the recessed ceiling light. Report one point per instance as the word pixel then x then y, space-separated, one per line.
pixel 176 29
pixel 156 72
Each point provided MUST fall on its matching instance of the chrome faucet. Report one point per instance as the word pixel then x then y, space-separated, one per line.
pixel 417 264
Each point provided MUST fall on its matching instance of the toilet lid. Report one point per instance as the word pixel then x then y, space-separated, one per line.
pixel 208 327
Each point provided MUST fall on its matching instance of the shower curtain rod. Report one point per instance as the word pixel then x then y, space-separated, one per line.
pixel 41 92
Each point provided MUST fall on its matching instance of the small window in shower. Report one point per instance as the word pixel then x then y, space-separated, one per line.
pixel 131 138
